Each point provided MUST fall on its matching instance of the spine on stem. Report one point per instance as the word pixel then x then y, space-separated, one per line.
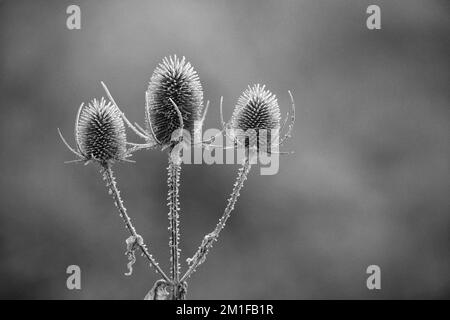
pixel 135 241
pixel 173 182
pixel 210 238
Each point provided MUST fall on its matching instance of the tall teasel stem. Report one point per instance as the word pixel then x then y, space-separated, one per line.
pixel 174 101
pixel 210 238
pixel 257 109
pixel 173 182
pixel 108 176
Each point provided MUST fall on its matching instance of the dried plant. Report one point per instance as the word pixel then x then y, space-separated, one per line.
pixel 257 109
pixel 174 104
pixel 100 137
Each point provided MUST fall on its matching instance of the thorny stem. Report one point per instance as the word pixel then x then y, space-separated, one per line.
pixel 173 182
pixel 111 184
pixel 210 238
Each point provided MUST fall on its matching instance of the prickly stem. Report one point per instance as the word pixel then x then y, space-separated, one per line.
pixel 210 238
pixel 108 176
pixel 173 182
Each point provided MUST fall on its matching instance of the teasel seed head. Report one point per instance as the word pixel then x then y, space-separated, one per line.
pixel 175 80
pixel 257 109
pixel 100 132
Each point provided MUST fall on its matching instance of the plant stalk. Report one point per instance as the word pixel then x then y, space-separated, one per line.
pixel 210 238
pixel 108 175
pixel 173 182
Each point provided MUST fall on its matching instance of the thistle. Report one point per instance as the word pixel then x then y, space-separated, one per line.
pixel 99 133
pixel 174 99
pixel 173 106
pixel 174 103
pixel 100 137
pixel 257 109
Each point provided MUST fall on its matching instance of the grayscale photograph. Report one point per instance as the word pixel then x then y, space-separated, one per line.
pixel 258 150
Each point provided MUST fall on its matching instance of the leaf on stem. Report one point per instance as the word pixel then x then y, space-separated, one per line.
pixel 133 243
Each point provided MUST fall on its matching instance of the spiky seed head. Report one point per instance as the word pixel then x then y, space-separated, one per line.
pixel 177 80
pixel 100 132
pixel 257 109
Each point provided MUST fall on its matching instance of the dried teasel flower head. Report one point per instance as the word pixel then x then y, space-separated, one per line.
pixel 99 133
pixel 174 99
pixel 257 109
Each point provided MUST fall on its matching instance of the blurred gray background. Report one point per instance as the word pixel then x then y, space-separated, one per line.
pixel 369 183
